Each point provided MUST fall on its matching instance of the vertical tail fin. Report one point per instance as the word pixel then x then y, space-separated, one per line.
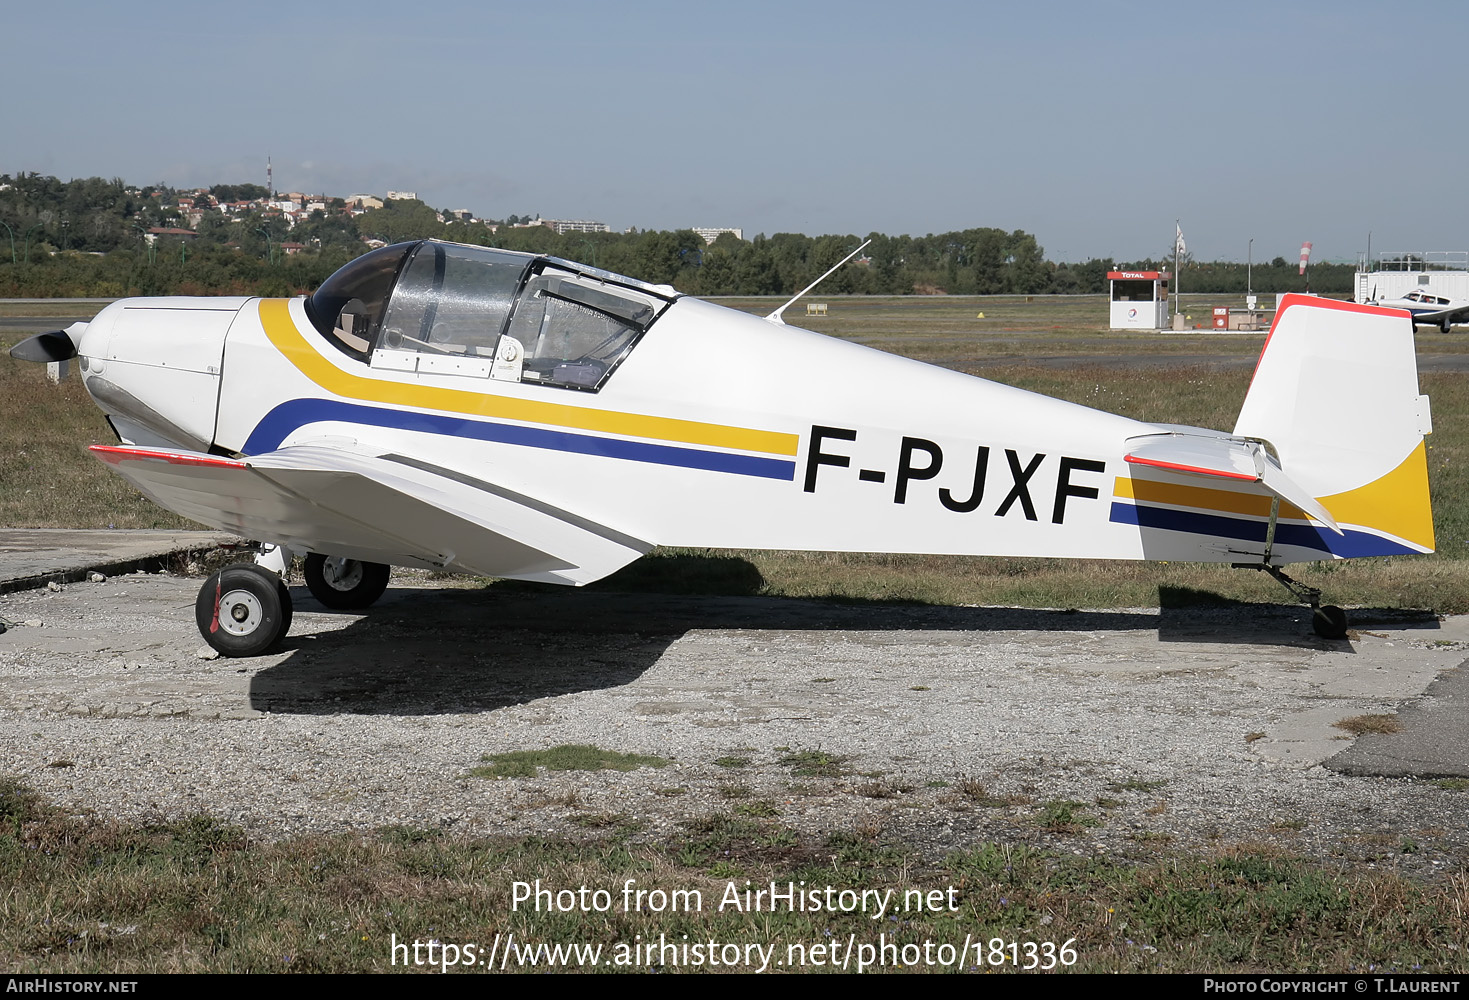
pixel 1335 394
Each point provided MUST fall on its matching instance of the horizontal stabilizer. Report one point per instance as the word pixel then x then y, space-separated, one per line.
pixel 1222 457
pixel 1199 454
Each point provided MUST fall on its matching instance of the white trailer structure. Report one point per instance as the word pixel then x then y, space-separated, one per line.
pixel 1393 275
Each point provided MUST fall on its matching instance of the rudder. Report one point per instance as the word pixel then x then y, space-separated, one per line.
pixel 1335 394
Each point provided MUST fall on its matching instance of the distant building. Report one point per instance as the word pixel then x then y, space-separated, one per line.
pixel 1139 299
pixel 155 233
pixel 710 235
pixel 576 226
pixel 402 196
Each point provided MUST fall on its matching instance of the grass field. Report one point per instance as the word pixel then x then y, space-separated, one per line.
pixel 196 896
pixel 42 308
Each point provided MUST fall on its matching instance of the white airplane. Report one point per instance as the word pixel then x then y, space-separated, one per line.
pixel 474 410
pixel 1428 309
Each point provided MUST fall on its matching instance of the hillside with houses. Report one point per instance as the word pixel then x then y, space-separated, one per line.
pixel 107 238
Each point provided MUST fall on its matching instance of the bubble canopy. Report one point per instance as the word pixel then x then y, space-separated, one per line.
pixel 448 308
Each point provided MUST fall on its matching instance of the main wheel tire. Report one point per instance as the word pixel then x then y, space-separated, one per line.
pixel 243 610
pixel 345 584
pixel 1330 622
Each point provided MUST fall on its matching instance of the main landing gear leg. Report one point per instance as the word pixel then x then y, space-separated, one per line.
pixel 1328 620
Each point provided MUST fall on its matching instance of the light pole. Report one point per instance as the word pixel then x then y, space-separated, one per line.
pixel 269 253
pixel 1250 273
pixel 27 252
pixel 149 247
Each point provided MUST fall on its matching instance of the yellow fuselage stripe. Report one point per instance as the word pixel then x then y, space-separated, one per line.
pixel 1226 501
pixel 275 317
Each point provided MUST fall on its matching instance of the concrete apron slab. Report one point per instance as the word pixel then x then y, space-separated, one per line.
pixel 1250 684
pixel 1194 724
pixel 1387 672
pixel 1433 741
pixel 33 557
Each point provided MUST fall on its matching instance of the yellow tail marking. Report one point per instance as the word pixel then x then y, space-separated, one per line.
pixel 275 317
pixel 1398 503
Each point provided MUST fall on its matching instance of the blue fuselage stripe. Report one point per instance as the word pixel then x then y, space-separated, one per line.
pixel 280 422
pixel 1348 546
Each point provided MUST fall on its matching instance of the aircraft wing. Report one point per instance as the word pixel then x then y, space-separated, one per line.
pixel 379 508
pixel 1454 317
pixel 1224 457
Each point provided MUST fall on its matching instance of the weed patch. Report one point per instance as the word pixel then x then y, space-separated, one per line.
pixel 1062 816
pixel 814 764
pixel 570 757
pixel 1359 725
pixel 761 809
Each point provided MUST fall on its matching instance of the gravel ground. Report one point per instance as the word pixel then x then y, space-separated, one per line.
pixel 1186 728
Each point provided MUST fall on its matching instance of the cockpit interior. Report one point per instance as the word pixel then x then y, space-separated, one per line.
pixel 475 312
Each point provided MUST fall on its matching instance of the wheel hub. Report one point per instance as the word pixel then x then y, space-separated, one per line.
pixel 341 573
pixel 241 612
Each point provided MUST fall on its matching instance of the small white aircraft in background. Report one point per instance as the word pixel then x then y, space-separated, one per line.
pixel 1428 309
pixel 474 410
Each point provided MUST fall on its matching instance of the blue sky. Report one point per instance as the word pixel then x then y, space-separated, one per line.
pixel 1093 126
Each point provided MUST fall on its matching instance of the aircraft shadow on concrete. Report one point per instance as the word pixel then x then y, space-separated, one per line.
pixel 435 652
pixel 1190 615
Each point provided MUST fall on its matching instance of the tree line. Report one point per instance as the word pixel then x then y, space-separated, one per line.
pixel 87 238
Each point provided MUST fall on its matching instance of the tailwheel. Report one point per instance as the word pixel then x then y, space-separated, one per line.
pixel 1330 622
pixel 1327 620
pixel 344 584
pixel 243 610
